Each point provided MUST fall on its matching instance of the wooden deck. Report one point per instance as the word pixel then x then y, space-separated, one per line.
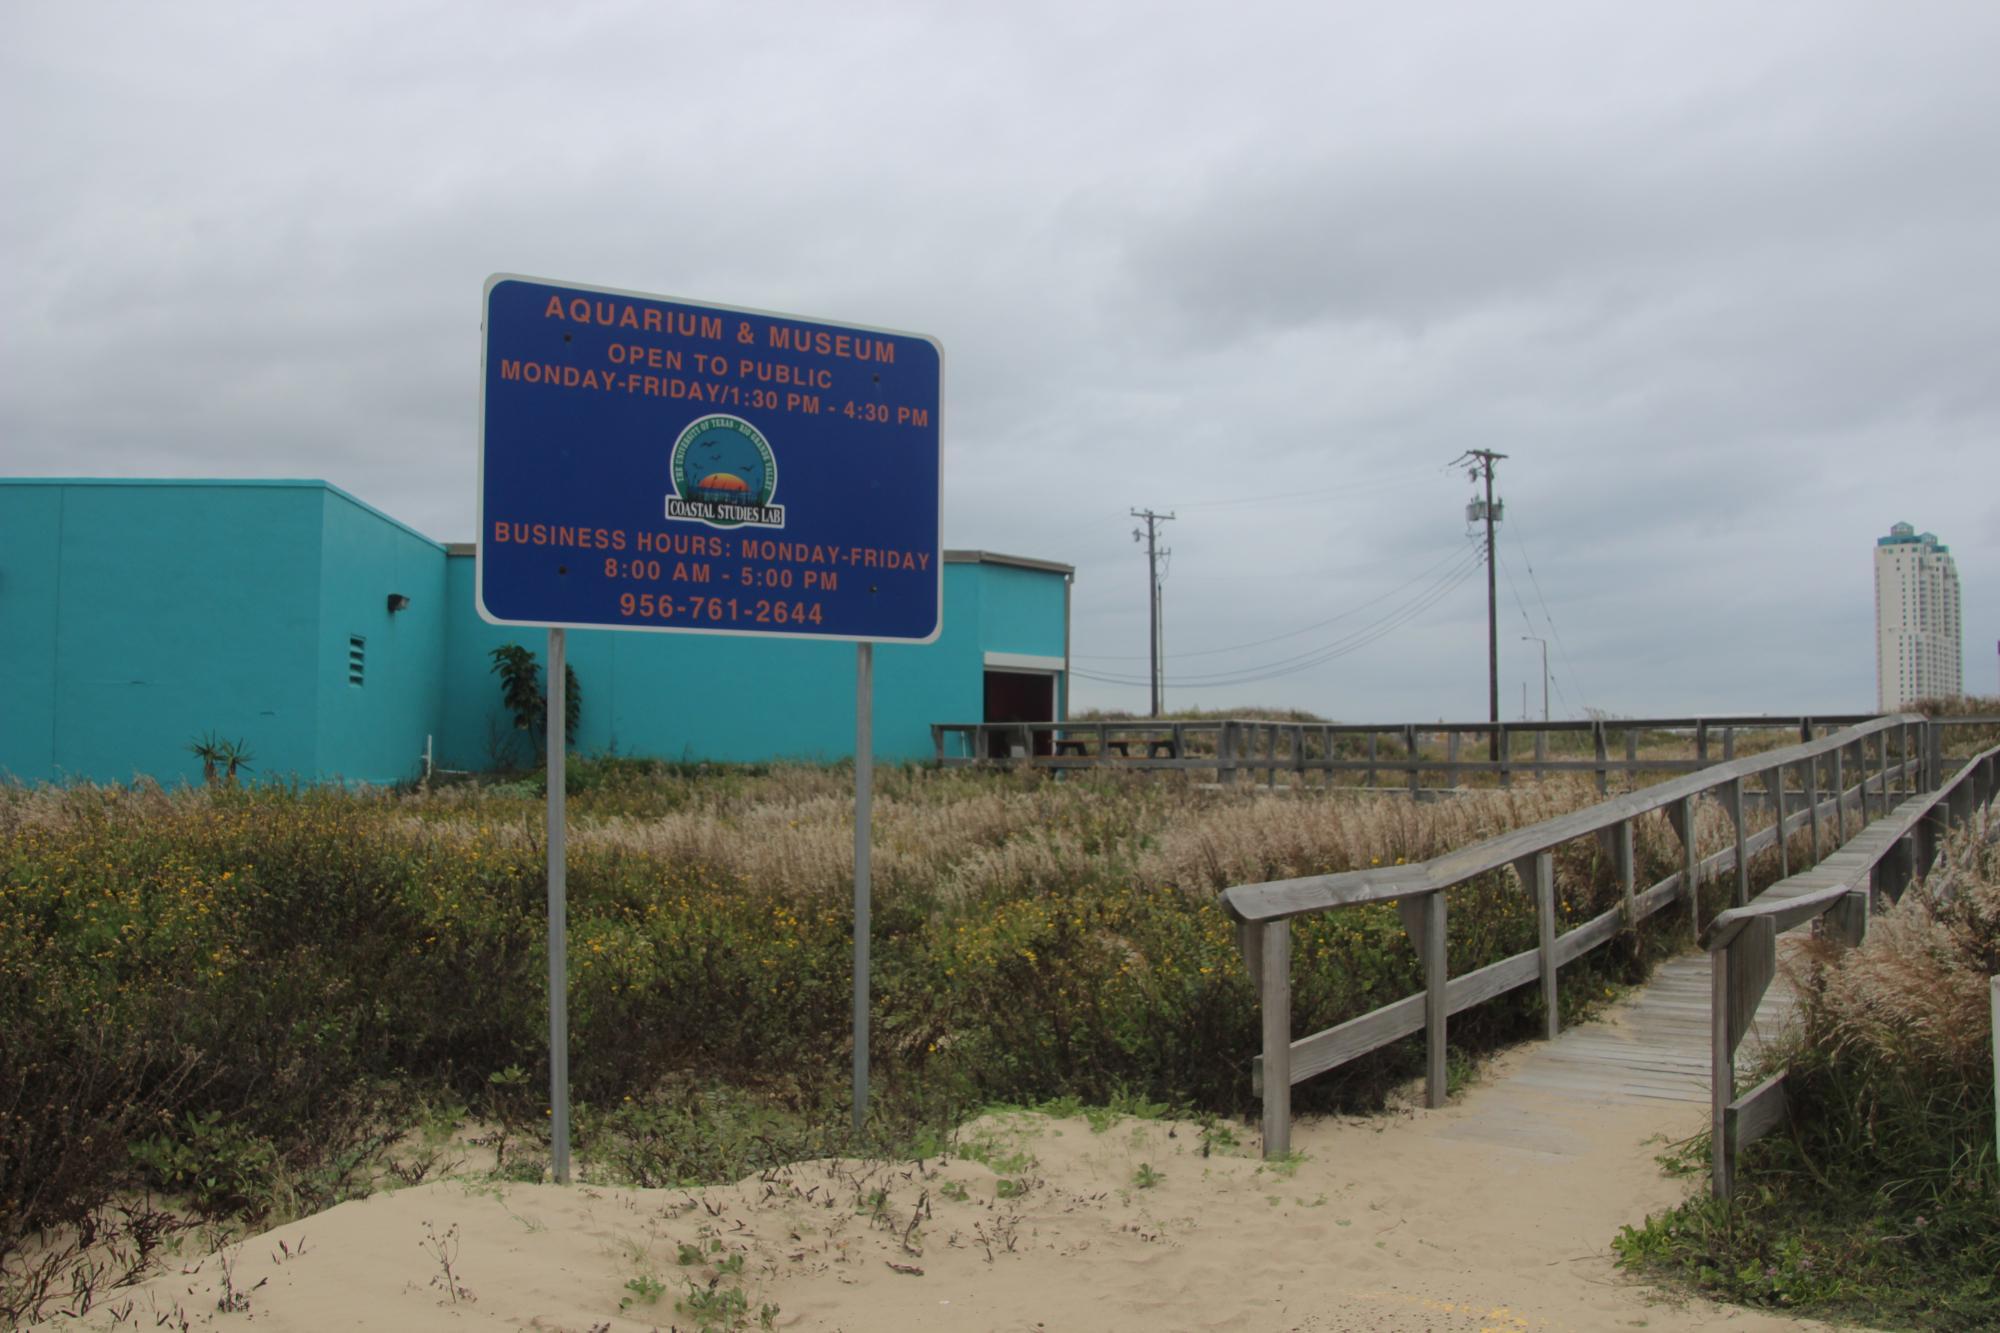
pixel 1651 1049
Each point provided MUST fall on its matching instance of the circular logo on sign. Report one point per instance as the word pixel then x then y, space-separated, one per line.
pixel 724 475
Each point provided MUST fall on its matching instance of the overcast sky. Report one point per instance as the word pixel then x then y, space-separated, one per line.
pixel 1722 281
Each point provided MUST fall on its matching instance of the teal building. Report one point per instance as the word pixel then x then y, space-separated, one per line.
pixel 338 644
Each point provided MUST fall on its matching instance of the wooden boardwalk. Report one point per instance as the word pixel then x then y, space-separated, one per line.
pixel 1650 1049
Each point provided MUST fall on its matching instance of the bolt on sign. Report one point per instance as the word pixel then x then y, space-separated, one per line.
pixel 651 464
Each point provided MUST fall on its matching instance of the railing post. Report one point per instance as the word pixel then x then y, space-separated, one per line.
pixel 1839 795
pixel 1728 743
pixel 1374 739
pixel 1861 780
pixel 1628 875
pixel 1810 775
pixel 1423 919
pixel 1504 743
pixel 1538 876
pixel 1682 817
pixel 1721 1075
pixel 1700 743
pixel 1274 996
pixel 1541 753
pixel 1451 759
pixel 1774 784
pixel 1603 757
pixel 1742 850
pixel 1930 833
pixel 1416 772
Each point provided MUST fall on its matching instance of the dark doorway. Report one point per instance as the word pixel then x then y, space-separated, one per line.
pixel 1018 696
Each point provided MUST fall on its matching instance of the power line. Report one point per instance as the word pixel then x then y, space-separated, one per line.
pixel 1362 486
pixel 1515 589
pixel 1561 648
pixel 1354 641
pixel 1463 567
pixel 1451 557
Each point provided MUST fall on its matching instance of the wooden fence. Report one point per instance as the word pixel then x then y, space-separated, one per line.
pixel 1444 752
pixel 1811 785
pixel 1836 896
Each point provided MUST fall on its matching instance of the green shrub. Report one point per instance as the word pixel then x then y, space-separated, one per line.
pixel 236 992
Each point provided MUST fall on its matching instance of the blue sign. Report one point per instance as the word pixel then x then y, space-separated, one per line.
pixel 650 464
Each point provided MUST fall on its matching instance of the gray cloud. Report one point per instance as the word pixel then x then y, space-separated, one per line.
pixel 1717 280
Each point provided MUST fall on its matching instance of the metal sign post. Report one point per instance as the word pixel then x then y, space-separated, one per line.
pixel 558 720
pixel 864 795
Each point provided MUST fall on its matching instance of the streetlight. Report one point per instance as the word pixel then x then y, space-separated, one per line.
pixel 1529 638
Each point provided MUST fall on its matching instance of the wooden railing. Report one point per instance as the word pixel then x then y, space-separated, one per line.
pixel 1836 896
pixel 1811 785
pixel 1444 752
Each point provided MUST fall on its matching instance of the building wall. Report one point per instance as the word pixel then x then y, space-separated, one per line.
pixel 734 699
pixel 137 617
pixel 30 567
pixel 375 731
pixel 1918 639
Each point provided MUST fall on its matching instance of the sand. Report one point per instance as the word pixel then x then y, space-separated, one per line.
pixel 1405 1221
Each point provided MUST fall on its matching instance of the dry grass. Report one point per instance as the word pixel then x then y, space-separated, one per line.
pixel 965 837
pixel 1916 995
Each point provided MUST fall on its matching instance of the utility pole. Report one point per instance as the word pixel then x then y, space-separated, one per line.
pixel 1531 638
pixel 1482 464
pixel 1151 538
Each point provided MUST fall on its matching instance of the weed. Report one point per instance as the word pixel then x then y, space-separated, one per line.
pixel 644 1288
pixel 234 1299
pixel 1218 1135
pixel 1461 1071
pixel 219 1166
pixel 1101 1118
pixel 1146 1177
pixel 120 1247
pixel 713 1307
pixel 990 1150
pixel 954 1190
pixel 443 1248
pixel 1284 1167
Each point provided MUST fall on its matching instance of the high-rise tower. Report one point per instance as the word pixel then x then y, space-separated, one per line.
pixel 1917 641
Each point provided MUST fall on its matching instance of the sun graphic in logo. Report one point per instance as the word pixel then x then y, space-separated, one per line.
pixel 724 475
pixel 725 487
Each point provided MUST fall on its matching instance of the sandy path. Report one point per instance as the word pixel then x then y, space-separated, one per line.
pixel 1494 1213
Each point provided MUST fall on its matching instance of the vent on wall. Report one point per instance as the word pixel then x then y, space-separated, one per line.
pixel 357 658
